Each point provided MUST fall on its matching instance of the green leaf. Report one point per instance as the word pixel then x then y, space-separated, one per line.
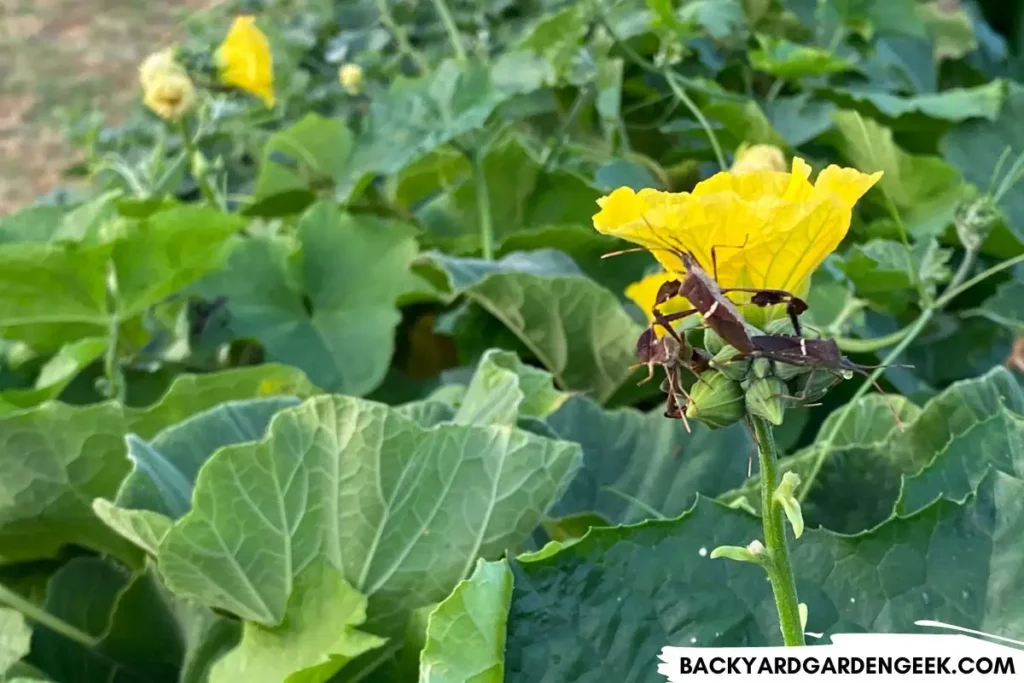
pixel 784 59
pixel 164 470
pixel 51 294
pixel 325 302
pixel 955 104
pixel 977 147
pixel 138 637
pixel 57 458
pixel 917 185
pixel 992 443
pixel 568 607
pixel 586 247
pixel 466 632
pixel 55 375
pixel 317 637
pixel 168 251
pixel 311 152
pixel 15 635
pixel 504 388
pixel 639 466
pixel 800 118
pixel 371 492
pixel 951 27
pixel 419 115
pixel 577 329
pixel 144 528
pixel 1006 306
pixel 744 122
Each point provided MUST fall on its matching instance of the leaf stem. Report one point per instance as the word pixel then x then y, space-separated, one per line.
pixel 955 289
pixel 677 90
pixel 199 174
pixel 452 29
pixel 483 205
pixel 404 46
pixel 40 616
pixel 778 565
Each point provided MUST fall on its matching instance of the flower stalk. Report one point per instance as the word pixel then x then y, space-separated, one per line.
pixel 776 562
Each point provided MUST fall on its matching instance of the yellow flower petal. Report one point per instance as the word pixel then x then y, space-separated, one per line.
pixel 351 78
pixel 245 60
pixel 769 229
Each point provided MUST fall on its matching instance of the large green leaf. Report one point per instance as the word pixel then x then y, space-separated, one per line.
pixel 503 388
pixel 317 637
pixel 851 476
pixel 55 459
pixel 575 328
pixel 402 511
pixel 164 469
pixel 918 185
pixel 995 442
pixel 168 251
pixel 15 636
pixel 325 302
pixel 466 632
pixel 1006 306
pixel 956 104
pixel 799 118
pixel 602 608
pixel 977 147
pixel 137 636
pixel 784 59
pixel 639 466
pixel 312 151
pixel 419 115
pixel 53 293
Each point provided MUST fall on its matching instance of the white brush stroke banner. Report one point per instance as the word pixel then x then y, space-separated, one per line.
pixel 855 657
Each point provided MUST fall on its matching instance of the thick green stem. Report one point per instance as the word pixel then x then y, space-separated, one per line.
pixel 780 570
pixel 483 205
pixel 452 29
pixel 37 614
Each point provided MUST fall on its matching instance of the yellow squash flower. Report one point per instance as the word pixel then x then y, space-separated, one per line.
pixel 351 78
pixel 759 158
pixel 167 89
pixel 772 228
pixel 245 60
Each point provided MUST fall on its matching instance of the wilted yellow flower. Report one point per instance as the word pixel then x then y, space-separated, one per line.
pixel 351 78
pixel 169 93
pixel 245 60
pixel 759 158
pixel 772 228
pixel 156 64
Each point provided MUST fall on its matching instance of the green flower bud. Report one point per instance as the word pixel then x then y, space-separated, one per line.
pixel 715 400
pixel 764 397
pixel 735 370
pixel 802 611
pixel 713 343
pixel 752 553
pixel 762 367
pixel 780 326
pixel 787 371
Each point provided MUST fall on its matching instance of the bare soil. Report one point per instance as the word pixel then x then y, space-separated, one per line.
pixel 58 60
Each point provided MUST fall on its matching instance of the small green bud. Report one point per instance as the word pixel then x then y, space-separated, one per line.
pixel 762 367
pixel 715 400
pixel 780 326
pixel 735 370
pixel 752 553
pixel 785 495
pixel 787 371
pixel 764 398
pixel 200 166
pixel 802 610
pixel 713 342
